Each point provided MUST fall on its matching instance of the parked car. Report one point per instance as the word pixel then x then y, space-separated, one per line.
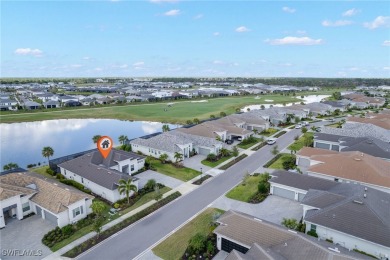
pixel 330 119
pixel 298 126
pixel 228 141
pixel 318 129
pixel 239 139
pixel 305 123
pixel 271 141
pixel 112 211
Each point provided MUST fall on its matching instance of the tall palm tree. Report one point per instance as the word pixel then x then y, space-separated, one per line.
pixel 96 138
pixel 122 139
pixel 165 128
pixel 47 151
pixel 178 156
pixel 125 187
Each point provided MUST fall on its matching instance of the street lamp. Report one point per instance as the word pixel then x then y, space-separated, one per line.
pixel 201 173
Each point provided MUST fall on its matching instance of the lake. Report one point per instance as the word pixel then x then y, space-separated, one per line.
pixel 263 101
pixel 22 143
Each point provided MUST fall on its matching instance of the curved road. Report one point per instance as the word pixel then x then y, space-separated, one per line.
pixel 136 239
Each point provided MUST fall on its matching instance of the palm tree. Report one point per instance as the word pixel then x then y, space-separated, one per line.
pixel 165 128
pixel 47 151
pixel 96 138
pixel 178 156
pixel 125 187
pixel 10 166
pixel 123 139
pixel 163 157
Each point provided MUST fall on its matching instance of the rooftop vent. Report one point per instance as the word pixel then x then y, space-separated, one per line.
pixel 66 189
pixel 257 219
pixel 55 184
pixel 365 195
pixel 358 202
pixel 357 159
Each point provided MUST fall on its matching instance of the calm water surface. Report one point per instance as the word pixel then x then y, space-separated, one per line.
pixel 22 143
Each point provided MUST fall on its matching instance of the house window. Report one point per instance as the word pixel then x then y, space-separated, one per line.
pixel 336 179
pixel 132 167
pixel 82 180
pixel 64 172
pixel 26 206
pixel 313 228
pixel 77 211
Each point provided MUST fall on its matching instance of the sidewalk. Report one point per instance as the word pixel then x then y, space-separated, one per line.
pixel 183 189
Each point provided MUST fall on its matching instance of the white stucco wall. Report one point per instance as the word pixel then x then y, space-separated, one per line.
pixel 137 165
pixel 152 151
pixel 350 242
pixel 295 190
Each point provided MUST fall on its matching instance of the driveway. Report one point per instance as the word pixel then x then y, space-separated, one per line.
pixel 25 234
pixel 272 209
pixel 161 178
pixel 195 163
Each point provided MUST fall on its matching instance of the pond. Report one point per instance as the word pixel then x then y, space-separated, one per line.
pixel 263 101
pixel 22 143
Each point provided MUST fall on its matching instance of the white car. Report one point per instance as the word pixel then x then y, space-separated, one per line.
pixel 271 141
pixel 298 126
pixel 305 123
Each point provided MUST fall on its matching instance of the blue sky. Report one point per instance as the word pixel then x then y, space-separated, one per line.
pixel 176 38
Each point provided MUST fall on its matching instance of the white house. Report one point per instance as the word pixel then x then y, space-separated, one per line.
pixel 8 104
pixel 25 193
pixel 162 94
pixel 102 175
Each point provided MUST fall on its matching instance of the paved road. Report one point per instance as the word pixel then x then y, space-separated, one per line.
pixel 137 238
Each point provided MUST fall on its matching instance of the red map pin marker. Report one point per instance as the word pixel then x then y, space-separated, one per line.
pixel 104 145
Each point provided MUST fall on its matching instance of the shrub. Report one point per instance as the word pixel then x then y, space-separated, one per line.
pixel 211 157
pixel 289 163
pixel 290 223
pixel 60 176
pixel 197 242
pixel 50 171
pixel 262 188
pixel 312 233
pixel 280 134
pixel 67 230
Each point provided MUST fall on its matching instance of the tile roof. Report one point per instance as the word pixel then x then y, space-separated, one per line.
pixel 269 240
pixel 165 141
pixel 310 151
pixel 49 194
pixel 383 122
pixel 91 166
pixel 355 166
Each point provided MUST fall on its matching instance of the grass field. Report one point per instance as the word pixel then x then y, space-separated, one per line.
pixel 216 163
pixel 245 192
pixel 174 246
pixel 246 146
pixel 42 170
pixel 180 112
pixel 278 164
pixel 298 144
pixel 183 173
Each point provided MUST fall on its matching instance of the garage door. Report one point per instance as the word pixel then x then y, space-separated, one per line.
pixel 228 246
pixel 301 196
pixel 50 217
pixel 335 147
pixel 303 162
pixel 322 146
pixel 204 151
pixel 288 194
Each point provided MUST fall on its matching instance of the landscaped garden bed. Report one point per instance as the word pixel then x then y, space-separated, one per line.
pixel 258 147
pixel 253 189
pixel 121 225
pixel 175 171
pixel 305 140
pixel 280 134
pixel 285 161
pixel 272 160
pixel 269 132
pixel 248 142
pixel 234 161
pixel 213 160
pixel 202 179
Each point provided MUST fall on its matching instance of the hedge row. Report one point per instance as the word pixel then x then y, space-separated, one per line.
pixel 257 147
pixel 280 134
pixel 114 229
pixel 231 163
pixel 272 160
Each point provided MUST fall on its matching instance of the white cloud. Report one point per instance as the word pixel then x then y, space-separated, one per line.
pixel 29 51
pixel 98 69
pixel 386 43
pixel 218 62
pixel 351 12
pixel 138 63
pixel 386 68
pixel 290 40
pixel 242 29
pixel 164 1
pixel 173 12
pixel 87 58
pixel 380 21
pixel 337 23
pixel 199 16
pixel 288 9
pixel 122 66
pixel 216 34
pixel 76 66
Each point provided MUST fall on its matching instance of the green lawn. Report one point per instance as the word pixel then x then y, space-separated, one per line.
pixel 269 132
pixel 174 246
pixel 42 171
pixel 145 199
pixel 246 146
pixel 298 144
pixel 245 192
pixel 183 173
pixel 216 163
pixel 180 112
pixel 278 164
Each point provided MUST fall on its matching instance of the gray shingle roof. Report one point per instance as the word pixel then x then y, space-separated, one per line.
pixel 359 130
pixel 164 141
pixel 327 137
pixel 301 181
pixel 371 146
pixel 92 167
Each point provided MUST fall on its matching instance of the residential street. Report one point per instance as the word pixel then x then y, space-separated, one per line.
pixel 134 240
